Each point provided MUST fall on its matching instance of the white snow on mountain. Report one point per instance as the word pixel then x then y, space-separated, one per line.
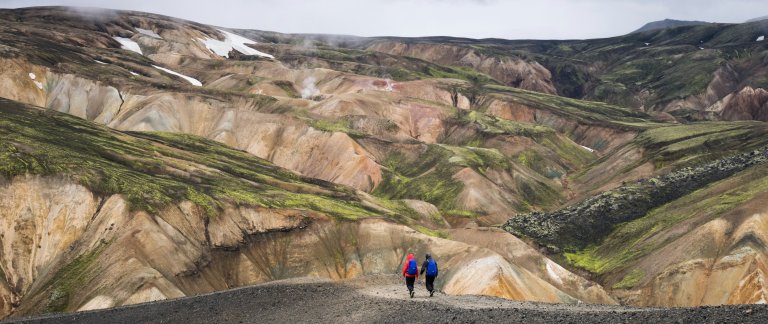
pixel 191 80
pixel 232 41
pixel 760 39
pixel 129 44
pixel 148 33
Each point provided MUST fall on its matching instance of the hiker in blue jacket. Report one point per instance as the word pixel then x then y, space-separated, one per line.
pixel 430 267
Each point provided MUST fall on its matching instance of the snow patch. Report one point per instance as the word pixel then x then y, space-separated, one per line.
pixel 587 148
pixel 129 44
pixel 232 41
pixel 191 80
pixel 760 39
pixel 32 76
pixel 133 73
pixel 701 48
pixel 647 44
pixel 100 62
pixel 148 32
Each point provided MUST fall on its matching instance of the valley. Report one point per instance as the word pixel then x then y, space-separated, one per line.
pixel 145 158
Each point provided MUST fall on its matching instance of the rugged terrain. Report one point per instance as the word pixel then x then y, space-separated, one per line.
pixel 145 157
pixel 380 300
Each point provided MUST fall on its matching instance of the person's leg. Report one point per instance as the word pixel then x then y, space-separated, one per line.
pixel 430 284
pixel 409 282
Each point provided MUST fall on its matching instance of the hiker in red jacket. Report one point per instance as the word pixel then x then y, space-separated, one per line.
pixel 410 272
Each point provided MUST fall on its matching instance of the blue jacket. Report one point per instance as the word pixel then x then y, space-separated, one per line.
pixel 426 263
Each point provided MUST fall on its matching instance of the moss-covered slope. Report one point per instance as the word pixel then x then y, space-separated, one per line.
pixel 153 170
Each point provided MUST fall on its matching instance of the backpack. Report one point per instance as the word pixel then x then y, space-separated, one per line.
pixel 412 267
pixel 431 268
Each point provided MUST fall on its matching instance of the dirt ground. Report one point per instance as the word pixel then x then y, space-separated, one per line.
pixel 384 299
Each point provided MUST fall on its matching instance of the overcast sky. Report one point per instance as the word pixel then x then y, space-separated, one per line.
pixel 511 19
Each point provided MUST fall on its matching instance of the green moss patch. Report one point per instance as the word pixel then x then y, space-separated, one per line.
pixel 630 280
pixel 71 277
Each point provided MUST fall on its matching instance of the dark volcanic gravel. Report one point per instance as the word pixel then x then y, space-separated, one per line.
pixel 370 301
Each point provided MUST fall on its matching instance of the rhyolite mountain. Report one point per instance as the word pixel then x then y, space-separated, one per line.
pixel 145 157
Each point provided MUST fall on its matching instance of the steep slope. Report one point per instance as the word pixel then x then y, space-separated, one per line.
pixel 690 237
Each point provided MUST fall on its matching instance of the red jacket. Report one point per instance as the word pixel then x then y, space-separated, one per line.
pixel 405 267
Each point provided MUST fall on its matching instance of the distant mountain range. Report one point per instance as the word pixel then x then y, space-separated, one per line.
pixel 757 19
pixel 668 23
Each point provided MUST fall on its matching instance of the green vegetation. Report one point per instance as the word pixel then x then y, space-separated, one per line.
pixel 479 159
pixel 342 125
pixel 431 232
pixel 589 112
pixel 286 86
pixel 630 280
pixel 701 142
pixel 492 125
pixel 71 277
pixel 428 178
pixel 375 64
pixel 633 240
pixel 153 170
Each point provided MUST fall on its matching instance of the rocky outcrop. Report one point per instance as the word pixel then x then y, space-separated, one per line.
pixel 516 251
pixel 747 104
pixel 579 225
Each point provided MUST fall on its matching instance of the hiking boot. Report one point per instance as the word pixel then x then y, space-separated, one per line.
pixel 431 293
pixel 411 293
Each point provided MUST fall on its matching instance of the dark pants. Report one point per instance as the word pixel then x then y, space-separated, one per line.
pixel 430 283
pixel 409 282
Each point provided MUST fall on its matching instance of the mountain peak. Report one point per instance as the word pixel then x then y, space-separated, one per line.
pixel 668 23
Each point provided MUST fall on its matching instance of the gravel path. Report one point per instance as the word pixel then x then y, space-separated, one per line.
pixel 383 300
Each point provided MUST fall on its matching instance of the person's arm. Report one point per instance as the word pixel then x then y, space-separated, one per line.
pixel 424 267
